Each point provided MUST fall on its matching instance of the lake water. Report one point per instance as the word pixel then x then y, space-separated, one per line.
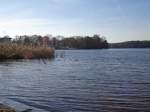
pixel 113 80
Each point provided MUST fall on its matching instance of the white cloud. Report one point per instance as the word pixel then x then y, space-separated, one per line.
pixel 22 23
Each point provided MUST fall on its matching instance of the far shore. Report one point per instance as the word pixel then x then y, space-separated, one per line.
pixel 131 44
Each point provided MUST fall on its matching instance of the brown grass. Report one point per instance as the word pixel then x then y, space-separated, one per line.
pixel 14 51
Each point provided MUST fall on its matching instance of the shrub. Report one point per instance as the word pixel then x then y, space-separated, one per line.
pixel 14 51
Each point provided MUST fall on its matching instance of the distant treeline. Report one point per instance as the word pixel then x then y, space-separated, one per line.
pixel 94 42
pixel 74 42
pixel 131 44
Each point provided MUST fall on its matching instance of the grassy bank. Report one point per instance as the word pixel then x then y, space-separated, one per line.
pixel 14 51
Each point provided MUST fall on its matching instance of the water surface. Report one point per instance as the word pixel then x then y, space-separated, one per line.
pixel 110 80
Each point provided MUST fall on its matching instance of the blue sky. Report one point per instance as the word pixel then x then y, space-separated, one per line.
pixel 118 20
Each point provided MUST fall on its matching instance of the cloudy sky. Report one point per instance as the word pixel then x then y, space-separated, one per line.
pixel 118 20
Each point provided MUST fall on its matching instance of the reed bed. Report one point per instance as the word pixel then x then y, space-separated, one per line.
pixel 14 51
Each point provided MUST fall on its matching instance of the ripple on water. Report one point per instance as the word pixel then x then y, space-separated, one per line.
pixel 80 81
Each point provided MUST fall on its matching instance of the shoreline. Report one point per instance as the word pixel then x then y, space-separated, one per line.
pixel 6 108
